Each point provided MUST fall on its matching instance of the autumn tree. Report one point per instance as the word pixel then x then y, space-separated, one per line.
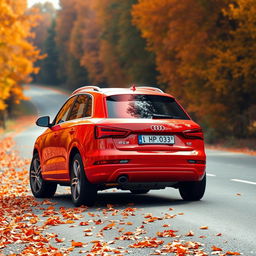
pixel 17 54
pixel 70 71
pixel 232 70
pixel 85 41
pixel 104 41
pixel 204 53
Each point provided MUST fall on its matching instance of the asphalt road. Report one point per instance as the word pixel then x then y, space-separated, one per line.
pixel 228 207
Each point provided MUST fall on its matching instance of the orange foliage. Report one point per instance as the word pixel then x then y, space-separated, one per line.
pixel 87 30
pixel 205 53
pixel 17 54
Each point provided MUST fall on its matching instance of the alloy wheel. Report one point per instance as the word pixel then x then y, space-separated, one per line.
pixel 36 176
pixel 76 180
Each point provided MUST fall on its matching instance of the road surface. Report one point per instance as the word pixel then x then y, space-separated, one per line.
pixel 228 207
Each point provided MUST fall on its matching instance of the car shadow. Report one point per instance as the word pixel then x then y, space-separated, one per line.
pixel 123 200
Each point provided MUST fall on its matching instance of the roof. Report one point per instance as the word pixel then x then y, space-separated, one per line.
pixel 110 91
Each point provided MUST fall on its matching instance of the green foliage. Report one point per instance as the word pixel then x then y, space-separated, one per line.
pixel 70 72
pixel 128 45
pixel 49 65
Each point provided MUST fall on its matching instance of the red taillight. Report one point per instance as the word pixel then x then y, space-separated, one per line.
pixel 107 132
pixel 194 134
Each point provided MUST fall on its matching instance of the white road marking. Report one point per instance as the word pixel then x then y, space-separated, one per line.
pixel 210 175
pixel 244 181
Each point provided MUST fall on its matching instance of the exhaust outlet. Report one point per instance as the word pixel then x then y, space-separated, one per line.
pixel 123 179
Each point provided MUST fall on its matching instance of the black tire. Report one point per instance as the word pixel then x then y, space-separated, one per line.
pixel 140 191
pixel 82 191
pixel 192 191
pixel 39 187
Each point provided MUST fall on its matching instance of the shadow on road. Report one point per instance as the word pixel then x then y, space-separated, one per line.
pixel 123 200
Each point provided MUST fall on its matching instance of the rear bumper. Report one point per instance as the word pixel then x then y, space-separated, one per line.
pixel 149 167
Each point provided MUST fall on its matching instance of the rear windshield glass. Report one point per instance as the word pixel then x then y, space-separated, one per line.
pixel 144 106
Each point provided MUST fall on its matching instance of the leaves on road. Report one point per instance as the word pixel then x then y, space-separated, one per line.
pixel 25 223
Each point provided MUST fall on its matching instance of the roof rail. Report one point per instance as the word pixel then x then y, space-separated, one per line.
pixel 91 88
pixel 150 88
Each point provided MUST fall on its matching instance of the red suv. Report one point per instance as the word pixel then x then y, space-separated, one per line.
pixel 136 139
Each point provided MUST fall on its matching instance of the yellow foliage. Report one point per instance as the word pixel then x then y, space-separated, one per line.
pixel 17 54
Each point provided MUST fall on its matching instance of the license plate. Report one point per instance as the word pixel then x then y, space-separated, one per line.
pixel 156 139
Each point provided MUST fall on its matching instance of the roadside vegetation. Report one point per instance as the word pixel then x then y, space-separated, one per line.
pixel 203 52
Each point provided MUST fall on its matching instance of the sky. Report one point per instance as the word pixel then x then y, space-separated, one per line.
pixel 55 2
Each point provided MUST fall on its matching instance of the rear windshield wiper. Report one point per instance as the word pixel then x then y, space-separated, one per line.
pixel 158 116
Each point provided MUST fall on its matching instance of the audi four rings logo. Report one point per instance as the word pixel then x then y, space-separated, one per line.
pixel 157 127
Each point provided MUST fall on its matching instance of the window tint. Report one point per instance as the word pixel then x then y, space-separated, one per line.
pixel 81 108
pixel 144 106
pixel 63 113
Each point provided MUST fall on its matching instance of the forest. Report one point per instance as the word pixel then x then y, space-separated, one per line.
pixel 201 51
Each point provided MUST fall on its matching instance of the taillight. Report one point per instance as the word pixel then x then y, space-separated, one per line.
pixel 193 134
pixel 110 132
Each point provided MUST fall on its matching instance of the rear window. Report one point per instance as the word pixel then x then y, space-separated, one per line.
pixel 144 106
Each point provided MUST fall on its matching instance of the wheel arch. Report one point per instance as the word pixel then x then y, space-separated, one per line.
pixel 35 151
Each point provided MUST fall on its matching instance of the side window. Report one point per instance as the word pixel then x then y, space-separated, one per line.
pixel 63 113
pixel 82 107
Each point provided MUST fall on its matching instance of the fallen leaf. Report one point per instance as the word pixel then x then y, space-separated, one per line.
pixel 214 248
pixel 190 233
pixel 77 244
pixel 232 253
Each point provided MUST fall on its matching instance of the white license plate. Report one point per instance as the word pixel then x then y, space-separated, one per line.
pixel 156 139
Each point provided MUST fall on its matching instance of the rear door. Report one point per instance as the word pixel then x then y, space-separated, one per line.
pixel 82 108
pixel 65 132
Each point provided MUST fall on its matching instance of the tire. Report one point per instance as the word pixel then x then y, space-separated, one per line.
pixel 82 191
pixel 140 191
pixel 39 187
pixel 192 191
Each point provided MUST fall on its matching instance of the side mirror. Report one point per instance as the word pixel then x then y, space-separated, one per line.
pixel 43 121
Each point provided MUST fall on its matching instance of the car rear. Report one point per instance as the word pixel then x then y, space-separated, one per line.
pixel 146 137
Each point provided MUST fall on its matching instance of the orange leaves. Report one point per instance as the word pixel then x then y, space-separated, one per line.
pixel 232 253
pixel 109 226
pixel 149 218
pixel 214 248
pixel 190 233
pixel 77 244
pixel 84 223
pixel 20 225
pixel 17 54
pixel 129 233
pixel 167 233
pixel 58 240
pixel 147 243
pixel 182 249
pixel 54 221
pixel 175 34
